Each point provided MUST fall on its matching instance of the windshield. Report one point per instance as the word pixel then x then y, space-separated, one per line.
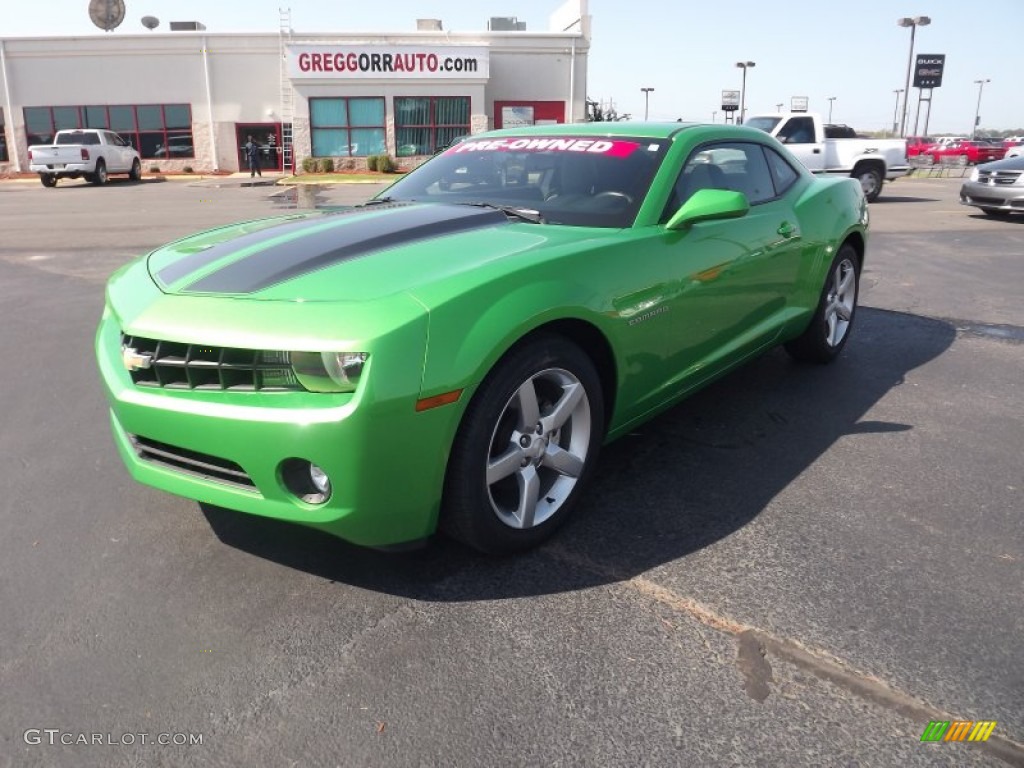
pixel 766 124
pixel 577 180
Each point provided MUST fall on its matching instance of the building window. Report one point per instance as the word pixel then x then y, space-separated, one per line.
pixel 155 130
pixel 347 127
pixel 424 125
pixel 3 139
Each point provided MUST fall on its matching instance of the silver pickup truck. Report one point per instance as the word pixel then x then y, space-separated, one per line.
pixel 87 152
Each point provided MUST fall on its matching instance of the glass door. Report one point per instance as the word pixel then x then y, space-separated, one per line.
pixel 267 136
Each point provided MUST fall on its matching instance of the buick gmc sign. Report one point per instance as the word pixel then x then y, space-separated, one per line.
pixel 928 70
pixel 376 62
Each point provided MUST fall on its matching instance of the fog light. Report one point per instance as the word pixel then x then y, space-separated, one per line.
pixel 320 479
pixel 306 480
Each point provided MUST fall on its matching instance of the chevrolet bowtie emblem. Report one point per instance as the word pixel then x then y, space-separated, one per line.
pixel 135 360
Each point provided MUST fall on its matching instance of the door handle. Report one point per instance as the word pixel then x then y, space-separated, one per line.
pixel 787 230
pixel 817 150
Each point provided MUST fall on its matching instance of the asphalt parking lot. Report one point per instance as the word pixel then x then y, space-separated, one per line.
pixel 797 566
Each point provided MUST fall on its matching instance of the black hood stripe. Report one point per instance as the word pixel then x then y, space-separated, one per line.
pixel 194 262
pixel 332 246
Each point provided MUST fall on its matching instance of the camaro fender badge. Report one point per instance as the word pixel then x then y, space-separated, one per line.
pixel 134 360
pixel 648 315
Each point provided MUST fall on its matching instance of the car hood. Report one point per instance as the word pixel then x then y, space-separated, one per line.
pixel 356 254
pixel 1009 164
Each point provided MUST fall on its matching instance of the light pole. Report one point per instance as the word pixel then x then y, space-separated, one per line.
pixel 830 100
pixel 778 107
pixel 744 65
pixel 714 113
pixel 647 99
pixel 913 23
pixel 977 109
pixel 896 111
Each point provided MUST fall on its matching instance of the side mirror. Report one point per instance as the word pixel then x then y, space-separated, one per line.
pixel 707 205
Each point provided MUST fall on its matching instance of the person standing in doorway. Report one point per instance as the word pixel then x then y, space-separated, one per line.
pixel 252 155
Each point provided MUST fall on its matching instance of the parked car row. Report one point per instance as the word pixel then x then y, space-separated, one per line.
pixel 973 151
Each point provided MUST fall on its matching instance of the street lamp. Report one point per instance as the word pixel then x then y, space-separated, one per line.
pixel 913 23
pixel 714 114
pixel 896 111
pixel 977 109
pixel 778 107
pixel 830 100
pixel 744 65
pixel 647 99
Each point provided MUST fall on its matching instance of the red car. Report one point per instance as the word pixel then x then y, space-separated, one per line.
pixel 919 145
pixel 975 151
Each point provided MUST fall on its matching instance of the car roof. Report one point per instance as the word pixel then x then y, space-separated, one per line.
pixel 648 130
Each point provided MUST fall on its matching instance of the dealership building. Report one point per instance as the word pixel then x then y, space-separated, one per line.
pixel 190 98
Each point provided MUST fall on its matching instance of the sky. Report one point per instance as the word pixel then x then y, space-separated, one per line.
pixel 819 49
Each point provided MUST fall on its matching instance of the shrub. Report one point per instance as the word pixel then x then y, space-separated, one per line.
pixel 326 165
pixel 154 169
pixel 309 165
pixel 187 169
pixel 371 163
pixel 385 164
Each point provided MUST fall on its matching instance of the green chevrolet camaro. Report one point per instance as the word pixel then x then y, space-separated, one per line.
pixel 454 353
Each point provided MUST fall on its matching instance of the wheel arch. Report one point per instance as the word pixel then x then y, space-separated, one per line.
pixel 856 240
pixel 592 342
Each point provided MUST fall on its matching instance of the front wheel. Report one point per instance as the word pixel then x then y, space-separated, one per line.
pixel 870 179
pixel 99 177
pixel 136 172
pixel 526 448
pixel 48 179
pixel 830 327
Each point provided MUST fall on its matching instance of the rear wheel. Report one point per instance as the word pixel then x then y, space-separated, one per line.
pixel 526 448
pixel 136 172
pixel 99 178
pixel 830 327
pixel 870 178
pixel 48 179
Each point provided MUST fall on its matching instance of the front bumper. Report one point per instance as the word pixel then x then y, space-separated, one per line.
pixel 385 460
pixel 992 197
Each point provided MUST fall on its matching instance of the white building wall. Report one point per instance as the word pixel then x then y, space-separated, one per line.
pixel 245 81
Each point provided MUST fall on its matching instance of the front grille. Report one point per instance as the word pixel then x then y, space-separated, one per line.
pixel 172 365
pixel 192 462
pixel 1001 178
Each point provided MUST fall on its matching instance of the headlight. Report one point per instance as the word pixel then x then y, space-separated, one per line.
pixel 328 371
pixel 974 174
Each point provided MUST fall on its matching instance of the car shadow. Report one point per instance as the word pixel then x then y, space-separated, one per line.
pixel 687 479
pixel 1008 218
pixel 903 199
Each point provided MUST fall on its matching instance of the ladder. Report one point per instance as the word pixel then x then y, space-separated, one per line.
pixel 287 94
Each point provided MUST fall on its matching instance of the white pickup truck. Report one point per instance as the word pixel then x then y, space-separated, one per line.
pixel 91 153
pixel 836 149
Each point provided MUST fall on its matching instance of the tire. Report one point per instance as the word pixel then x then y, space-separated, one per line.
pixel 526 448
pixel 135 174
pixel 48 179
pixel 829 329
pixel 99 178
pixel 870 179
pixel 995 214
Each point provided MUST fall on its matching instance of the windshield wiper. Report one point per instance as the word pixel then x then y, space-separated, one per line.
pixel 514 212
pixel 379 201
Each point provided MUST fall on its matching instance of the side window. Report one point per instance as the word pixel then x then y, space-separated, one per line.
pixel 799 130
pixel 735 166
pixel 783 173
